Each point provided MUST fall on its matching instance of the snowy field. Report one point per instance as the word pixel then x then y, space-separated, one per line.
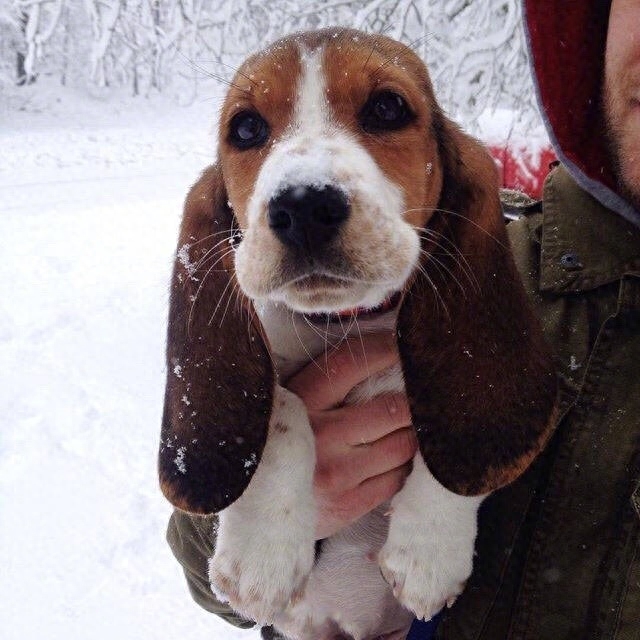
pixel 90 198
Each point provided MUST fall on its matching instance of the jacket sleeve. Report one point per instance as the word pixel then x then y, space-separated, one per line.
pixel 192 541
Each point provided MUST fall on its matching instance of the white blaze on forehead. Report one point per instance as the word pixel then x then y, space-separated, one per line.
pixel 301 156
pixel 311 112
pixel 315 151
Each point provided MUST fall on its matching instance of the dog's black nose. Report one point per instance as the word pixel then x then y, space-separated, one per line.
pixel 306 216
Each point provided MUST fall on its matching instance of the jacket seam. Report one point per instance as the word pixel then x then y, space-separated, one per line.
pixel 624 554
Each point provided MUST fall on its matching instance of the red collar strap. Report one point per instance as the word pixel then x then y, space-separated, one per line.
pixel 357 312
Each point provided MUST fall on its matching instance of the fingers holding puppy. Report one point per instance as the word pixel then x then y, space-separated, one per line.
pixel 338 510
pixel 364 423
pixel 344 460
pixel 350 481
pixel 326 381
pixel 363 451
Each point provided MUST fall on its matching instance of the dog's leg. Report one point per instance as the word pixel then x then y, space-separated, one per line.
pixel 428 555
pixel 265 543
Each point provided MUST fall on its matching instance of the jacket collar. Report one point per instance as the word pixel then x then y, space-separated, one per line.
pixel 584 244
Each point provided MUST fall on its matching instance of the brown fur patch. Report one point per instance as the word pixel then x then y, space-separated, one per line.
pixel 268 83
pixel 225 584
pixel 478 372
pixel 219 365
pixel 279 427
pixel 356 69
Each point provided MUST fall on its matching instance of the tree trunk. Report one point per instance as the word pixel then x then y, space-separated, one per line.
pixel 22 77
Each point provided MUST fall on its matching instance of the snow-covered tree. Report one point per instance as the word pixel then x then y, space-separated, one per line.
pixel 474 48
pixel 103 15
pixel 37 21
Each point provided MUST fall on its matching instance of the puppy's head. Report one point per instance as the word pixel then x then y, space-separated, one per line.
pixel 340 182
pixel 331 163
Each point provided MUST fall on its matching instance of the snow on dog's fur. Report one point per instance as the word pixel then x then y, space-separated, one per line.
pixel 342 189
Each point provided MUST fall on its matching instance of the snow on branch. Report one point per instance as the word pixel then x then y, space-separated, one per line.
pixel 474 48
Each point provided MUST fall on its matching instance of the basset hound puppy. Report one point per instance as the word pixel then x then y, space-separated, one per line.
pixel 345 201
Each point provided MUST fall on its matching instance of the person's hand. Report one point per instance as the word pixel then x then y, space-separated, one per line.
pixel 363 451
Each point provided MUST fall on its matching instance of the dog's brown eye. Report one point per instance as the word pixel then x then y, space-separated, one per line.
pixel 385 111
pixel 248 129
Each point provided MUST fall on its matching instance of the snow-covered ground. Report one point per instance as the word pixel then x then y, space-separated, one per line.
pixel 90 199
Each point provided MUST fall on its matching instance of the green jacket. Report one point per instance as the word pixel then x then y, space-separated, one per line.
pixel 558 551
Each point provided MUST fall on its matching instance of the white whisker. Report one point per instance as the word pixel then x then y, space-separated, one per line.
pixel 207 254
pixel 462 217
pixel 304 346
pixel 464 264
pixel 199 289
pixel 231 294
pixel 438 296
pixel 364 353
pixel 220 301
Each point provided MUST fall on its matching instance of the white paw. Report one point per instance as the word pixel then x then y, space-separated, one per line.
pixel 265 542
pixel 428 555
pixel 427 574
pixel 261 581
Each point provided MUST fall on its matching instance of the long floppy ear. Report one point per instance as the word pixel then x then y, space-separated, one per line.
pixel 478 372
pixel 220 379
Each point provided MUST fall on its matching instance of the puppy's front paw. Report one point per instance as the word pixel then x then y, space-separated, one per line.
pixel 428 555
pixel 265 544
pixel 426 572
pixel 261 581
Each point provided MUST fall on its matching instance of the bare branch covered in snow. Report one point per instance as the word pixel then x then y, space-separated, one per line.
pixel 474 48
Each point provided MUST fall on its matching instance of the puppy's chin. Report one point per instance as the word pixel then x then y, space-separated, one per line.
pixel 327 295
